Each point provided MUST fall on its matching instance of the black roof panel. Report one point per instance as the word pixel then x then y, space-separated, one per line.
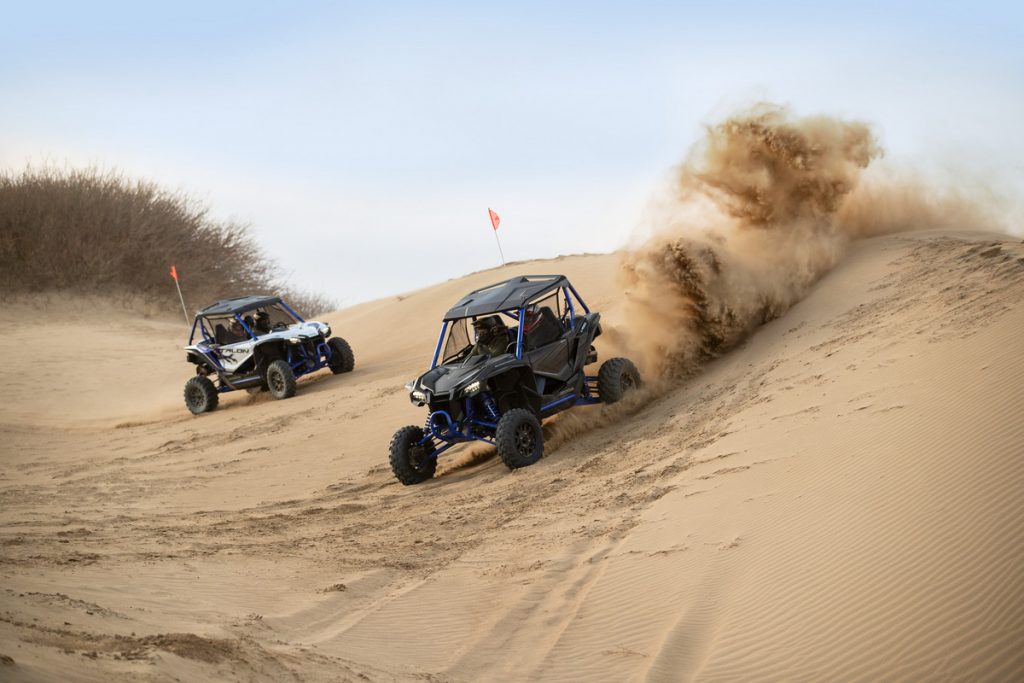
pixel 504 296
pixel 238 304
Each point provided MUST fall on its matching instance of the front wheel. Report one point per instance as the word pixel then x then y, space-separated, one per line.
pixel 200 395
pixel 342 358
pixel 616 378
pixel 280 379
pixel 519 438
pixel 410 460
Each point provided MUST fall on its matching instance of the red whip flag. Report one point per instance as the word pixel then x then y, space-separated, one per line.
pixel 495 222
pixel 174 273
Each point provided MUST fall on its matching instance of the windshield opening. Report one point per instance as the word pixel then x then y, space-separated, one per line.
pixel 458 340
pixel 267 319
pixel 462 337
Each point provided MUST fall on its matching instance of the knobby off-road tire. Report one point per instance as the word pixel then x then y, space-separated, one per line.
pixel 342 358
pixel 410 462
pixel 280 379
pixel 519 438
pixel 616 378
pixel 200 395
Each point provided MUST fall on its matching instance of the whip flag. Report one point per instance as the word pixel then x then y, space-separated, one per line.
pixel 495 222
pixel 174 274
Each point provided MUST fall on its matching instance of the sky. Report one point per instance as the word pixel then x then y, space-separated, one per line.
pixel 364 142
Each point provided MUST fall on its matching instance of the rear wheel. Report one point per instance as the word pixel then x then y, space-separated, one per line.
pixel 519 438
pixel 280 379
pixel 411 461
pixel 200 395
pixel 342 358
pixel 616 378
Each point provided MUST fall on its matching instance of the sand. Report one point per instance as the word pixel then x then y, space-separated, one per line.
pixel 838 498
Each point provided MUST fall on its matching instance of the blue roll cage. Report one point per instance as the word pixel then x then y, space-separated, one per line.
pixel 517 315
pixel 440 424
pixel 209 339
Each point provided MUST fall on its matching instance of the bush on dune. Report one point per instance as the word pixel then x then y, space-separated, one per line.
pixel 94 232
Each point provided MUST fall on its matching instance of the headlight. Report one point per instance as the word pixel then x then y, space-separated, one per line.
pixel 294 340
pixel 326 329
pixel 471 389
pixel 418 397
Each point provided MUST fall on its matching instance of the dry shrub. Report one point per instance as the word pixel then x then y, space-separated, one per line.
pixel 97 232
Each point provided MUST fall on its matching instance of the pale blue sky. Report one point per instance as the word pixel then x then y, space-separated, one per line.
pixel 364 142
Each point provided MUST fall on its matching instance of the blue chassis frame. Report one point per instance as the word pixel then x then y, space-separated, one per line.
pixel 452 435
pixel 300 361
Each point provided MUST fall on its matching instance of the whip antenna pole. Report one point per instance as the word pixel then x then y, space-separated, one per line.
pixel 500 252
pixel 174 274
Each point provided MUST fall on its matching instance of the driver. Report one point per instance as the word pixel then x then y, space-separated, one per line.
pixel 262 325
pixel 491 337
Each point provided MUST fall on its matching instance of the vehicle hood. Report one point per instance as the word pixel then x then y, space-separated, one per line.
pixel 310 328
pixel 444 379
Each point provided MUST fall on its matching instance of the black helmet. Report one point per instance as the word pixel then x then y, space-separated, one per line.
pixel 488 325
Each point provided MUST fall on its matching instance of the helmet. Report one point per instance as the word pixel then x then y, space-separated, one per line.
pixel 488 326
pixel 531 318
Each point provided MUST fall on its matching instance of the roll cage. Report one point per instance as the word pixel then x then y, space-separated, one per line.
pixel 207 329
pixel 559 288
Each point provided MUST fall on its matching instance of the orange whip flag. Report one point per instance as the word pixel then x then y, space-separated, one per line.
pixel 174 274
pixel 495 222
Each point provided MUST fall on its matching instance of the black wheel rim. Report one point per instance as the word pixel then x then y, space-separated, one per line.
pixel 418 457
pixel 628 381
pixel 526 440
pixel 195 396
pixel 276 381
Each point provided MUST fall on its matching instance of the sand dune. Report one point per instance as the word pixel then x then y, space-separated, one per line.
pixel 837 498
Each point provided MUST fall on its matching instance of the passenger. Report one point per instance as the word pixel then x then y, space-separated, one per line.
pixel 491 337
pixel 237 332
pixel 540 327
pixel 531 319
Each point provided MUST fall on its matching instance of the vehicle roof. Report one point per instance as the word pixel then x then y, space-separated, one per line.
pixel 503 296
pixel 238 304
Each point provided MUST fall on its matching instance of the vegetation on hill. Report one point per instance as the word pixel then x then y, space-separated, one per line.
pixel 98 232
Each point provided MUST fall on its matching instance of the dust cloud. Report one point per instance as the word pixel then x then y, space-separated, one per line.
pixel 763 207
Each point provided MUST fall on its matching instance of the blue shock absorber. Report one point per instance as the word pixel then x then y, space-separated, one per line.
pixel 490 406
